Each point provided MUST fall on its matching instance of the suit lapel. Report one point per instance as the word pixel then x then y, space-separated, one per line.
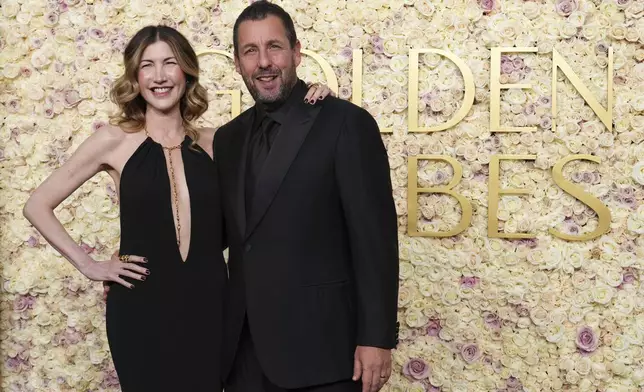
pixel 240 150
pixel 298 123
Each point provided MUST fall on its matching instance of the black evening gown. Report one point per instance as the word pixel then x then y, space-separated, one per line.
pixel 165 333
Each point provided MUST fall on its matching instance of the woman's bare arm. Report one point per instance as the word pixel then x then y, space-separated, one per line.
pixel 90 158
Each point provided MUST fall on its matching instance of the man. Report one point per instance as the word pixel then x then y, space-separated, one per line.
pixel 311 225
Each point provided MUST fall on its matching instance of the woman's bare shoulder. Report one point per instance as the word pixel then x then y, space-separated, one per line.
pixel 206 137
pixel 207 132
pixel 112 134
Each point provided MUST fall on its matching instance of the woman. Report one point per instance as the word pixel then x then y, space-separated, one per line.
pixel 164 334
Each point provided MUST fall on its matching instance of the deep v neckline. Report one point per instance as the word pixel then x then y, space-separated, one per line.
pixel 166 159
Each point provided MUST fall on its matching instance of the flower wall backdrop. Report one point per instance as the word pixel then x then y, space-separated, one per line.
pixel 476 313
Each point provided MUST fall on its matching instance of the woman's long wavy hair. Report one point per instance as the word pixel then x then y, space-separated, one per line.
pixel 126 92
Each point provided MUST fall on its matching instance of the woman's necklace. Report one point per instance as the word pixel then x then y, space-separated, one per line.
pixel 175 194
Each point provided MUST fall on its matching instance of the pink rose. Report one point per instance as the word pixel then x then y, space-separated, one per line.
pixel 96 33
pixel 546 122
pixel 440 177
pixel 347 53
pixel 571 228
pixel 469 282
pixel 14 364
pixel 627 246
pixel 23 302
pixel 566 7
pixel 507 67
pixel 416 368
pixel 522 311
pixel 628 276
pixel 32 241
pixel 48 113
pixel 577 177
pixel 513 382
pixel 518 63
pixel 434 327
pixel 470 352
pixel 51 18
pixel 13 106
pixel 487 5
pixel 587 340
pixel 110 380
pixel 375 40
pixel 587 177
pixel 492 320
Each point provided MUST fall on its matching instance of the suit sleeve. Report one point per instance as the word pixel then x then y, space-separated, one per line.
pixel 363 175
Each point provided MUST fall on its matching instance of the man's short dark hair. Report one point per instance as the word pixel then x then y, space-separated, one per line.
pixel 259 10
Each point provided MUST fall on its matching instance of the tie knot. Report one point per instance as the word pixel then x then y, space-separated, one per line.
pixel 268 119
pixel 267 124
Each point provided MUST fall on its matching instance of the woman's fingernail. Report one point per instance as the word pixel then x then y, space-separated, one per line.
pixel 131 286
pixel 147 272
pixel 142 277
pixel 306 100
pixel 312 101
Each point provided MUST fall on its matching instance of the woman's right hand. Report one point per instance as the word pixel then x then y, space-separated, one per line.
pixel 111 270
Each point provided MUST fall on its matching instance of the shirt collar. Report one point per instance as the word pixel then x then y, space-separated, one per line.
pixel 279 112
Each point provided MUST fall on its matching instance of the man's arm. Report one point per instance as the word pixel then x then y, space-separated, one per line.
pixel 363 175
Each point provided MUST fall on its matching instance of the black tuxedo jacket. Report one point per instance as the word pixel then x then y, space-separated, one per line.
pixel 315 269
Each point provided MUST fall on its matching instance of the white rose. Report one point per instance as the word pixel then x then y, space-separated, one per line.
pixel 555 332
pixel 425 7
pixel 568 31
pixel 10 8
pixel 638 172
pixel 619 368
pixel 399 63
pixel 583 366
pixel 531 10
pixel 11 71
pixel 602 294
pixel 86 108
pixel 638 103
pixel 576 19
pixel 599 371
pixel 620 343
pixel 35 93
pixel 40 59
pixel 516 96
pixel 66 54
pixel 572 377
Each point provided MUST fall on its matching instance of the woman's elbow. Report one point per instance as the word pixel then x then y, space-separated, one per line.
pixel 29 209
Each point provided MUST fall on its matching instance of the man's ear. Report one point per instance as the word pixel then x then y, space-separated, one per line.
pixel 297 48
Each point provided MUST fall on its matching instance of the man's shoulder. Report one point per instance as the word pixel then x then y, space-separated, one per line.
pixel 346 107
pixel 227 129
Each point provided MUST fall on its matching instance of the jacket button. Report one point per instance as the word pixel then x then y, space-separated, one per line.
pixel 247 248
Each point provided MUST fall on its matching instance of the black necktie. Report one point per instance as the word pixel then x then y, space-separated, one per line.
pixel 260 146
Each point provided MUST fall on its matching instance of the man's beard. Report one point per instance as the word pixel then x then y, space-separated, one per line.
pixel 288 78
